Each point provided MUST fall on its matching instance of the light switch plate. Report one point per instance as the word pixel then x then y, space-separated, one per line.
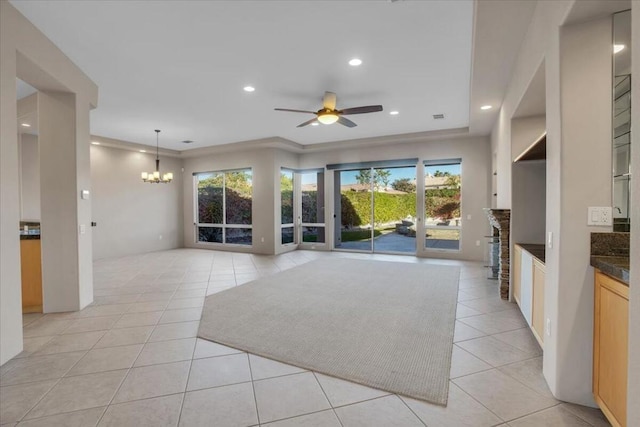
pixel 599 216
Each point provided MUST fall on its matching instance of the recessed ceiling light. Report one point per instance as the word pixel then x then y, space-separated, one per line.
pixel 486 107
pixel 249 88
pixel 143 151
pixel 315 124
pixel 27 125
pixel 394 113
pixel 355 62
pixel 95 142
pixel 618 48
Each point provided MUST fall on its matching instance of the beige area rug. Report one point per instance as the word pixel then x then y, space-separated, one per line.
pixel 387 325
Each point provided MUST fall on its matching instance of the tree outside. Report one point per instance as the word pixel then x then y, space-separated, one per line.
pixel 381 178
pixel 405 184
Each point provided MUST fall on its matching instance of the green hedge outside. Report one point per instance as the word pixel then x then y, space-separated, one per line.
pixel 356 206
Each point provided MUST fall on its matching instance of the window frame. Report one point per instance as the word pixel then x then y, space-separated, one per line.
pixel 224 226
pixel 459 227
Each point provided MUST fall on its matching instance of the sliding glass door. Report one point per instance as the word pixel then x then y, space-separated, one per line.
pixel 377 208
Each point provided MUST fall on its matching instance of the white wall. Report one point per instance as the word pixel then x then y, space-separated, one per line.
pixel 633 393
pixel 26 53
pixel 29 178
pixel 528 183
pixel 131 215
pixel 528 210
pixel 476 161
pixel 585 180
pixel 577 60
pixel 524 132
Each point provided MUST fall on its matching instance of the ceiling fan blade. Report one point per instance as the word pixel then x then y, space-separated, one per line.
pixel 362 110
pixel 329 100
pixel 308 122
pixel 346 122
pixel 294 111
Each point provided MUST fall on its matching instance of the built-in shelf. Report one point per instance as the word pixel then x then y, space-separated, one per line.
pixel 536 151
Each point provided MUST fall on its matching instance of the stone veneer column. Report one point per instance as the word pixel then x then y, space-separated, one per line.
pixel 500 219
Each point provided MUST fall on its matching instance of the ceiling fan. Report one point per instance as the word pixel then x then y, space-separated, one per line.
pixel 328 113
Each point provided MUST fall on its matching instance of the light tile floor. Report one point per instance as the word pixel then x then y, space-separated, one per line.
pixel 132 359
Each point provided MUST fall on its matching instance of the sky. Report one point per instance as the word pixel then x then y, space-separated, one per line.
pixel 349 177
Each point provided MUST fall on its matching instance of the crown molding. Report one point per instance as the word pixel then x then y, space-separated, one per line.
pixel 132 146
pixel 291 146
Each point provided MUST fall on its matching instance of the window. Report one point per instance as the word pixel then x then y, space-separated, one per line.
pixel 442 184
pixel 223 211
pixel 286 206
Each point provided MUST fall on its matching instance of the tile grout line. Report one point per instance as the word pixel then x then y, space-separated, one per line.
pixel 186 385
pixel 58 380
pixel 253 388
pixel 327 397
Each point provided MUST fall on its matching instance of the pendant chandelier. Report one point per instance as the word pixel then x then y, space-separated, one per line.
pixel 154 177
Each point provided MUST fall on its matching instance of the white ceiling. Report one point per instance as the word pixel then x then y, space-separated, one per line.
pixel 180 66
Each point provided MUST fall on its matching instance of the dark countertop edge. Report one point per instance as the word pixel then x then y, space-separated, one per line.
pixel 29 237
pixel 537 250
pixel 612 266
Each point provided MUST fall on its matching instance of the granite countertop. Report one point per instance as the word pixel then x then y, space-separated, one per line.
pixel 614 266
pixel 29 236
pixel 29 230
pixel 610 254
pixel 534 249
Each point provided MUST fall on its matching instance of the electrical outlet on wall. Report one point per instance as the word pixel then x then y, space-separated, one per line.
pixel 599 216
pixel 547 328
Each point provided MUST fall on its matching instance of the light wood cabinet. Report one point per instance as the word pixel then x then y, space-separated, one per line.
pixel 610 347
pixel 537 315
pixel 517 271
pixel 31 269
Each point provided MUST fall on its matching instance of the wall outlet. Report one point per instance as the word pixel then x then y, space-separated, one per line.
pixel 550 239
pixel 477 242
pixel 469 216
pixel 262 239
pixel 547 328
pixel 599 216
pixel 83 229
pixel 160 237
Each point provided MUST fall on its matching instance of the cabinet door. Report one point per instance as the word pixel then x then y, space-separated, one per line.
pixel 537 316
pixel 515 275
pixel 31 269
pixel 526 285
pixel 611 348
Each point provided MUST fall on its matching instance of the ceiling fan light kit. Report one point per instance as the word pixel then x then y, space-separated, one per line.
pixel 327 117
pixel 155 177
pixel 328 114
